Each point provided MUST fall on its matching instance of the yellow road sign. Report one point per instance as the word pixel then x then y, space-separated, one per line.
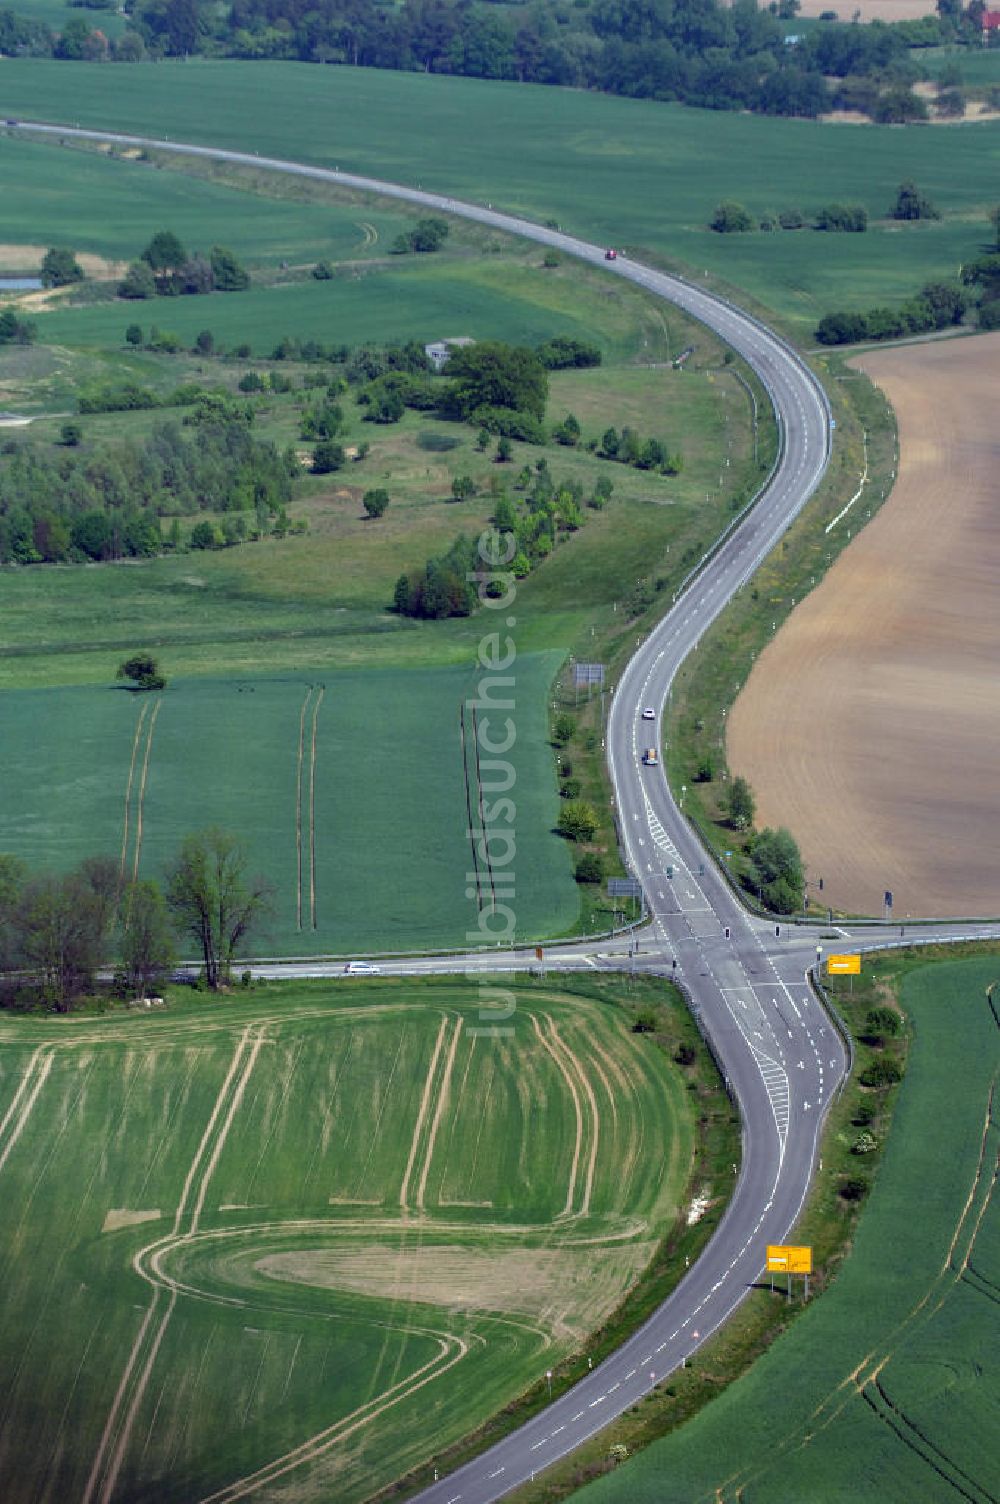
pixel 787 1258
pixel 843 966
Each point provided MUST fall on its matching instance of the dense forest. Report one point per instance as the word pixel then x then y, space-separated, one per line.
pixel 700 52
pixel 107 503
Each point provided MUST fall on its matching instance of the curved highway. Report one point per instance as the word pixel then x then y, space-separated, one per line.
pixel 782 1058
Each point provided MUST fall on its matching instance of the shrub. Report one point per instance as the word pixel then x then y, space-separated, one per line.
pixel 880 1074
pixel 911 204
pixel 327 457
pixel 206 535
pixel 883 1021
pixel 562 353
pixel 138 282
pixel 60 268
pixel 590 868
pixel 577 820
pixel 375 502
pixel 730 218
pixel 854 1188
pixel 849 219
pixel 865 1143
pixel 563 729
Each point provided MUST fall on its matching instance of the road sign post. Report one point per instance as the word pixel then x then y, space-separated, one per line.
pixel 844 966
pixel 789 1258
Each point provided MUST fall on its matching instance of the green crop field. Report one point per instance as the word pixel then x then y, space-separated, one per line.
pixel 889 1387
pixel 384 304
pixel 347 788
pixel 56 14
pixel 308 1238
pixel 112 207
pixel 637 173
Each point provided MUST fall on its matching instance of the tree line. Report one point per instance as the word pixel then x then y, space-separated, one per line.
pixel 60 930
pixel 166 269
pixel 700 52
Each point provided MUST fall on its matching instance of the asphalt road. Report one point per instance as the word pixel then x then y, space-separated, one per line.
pixel 780 1053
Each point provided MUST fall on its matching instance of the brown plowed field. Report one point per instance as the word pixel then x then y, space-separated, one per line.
pixel 871 725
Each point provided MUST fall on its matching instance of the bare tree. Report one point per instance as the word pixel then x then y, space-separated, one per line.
pixel 214 900
pixel 147 948
pixel 61 925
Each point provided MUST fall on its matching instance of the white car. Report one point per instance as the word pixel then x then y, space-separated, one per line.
pixel 649 714
pixel 362 969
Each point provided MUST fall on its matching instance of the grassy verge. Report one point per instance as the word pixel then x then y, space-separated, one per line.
pixel 710 681
pixel 749 445
pixel 659 1011
pixel 829 1222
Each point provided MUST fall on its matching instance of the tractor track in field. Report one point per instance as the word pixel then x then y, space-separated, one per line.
pixel 298 807
pixel 470 820
pixel 142 789
pixel 128 793
pixel 864 1381
pixel 443 1095
pixel 312 806
pixel 305 806
pixel 14 1119
pixel 134 1381
pixel 425 1100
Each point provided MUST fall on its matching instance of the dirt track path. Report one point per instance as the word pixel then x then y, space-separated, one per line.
pixel 870 726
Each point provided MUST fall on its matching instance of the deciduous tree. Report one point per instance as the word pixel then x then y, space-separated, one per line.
pixel 147 942
pixel 143 670
pixel 215 900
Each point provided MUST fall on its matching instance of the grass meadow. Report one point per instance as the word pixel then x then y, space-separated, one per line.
pixel 636 173
pixel 887 1388
pixel 308 1236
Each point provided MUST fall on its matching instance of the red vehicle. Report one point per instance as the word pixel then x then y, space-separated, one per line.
pixel 610 255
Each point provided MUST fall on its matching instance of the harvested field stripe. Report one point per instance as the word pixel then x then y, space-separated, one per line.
pixel 142 789
pixel 442 1102
pixel 404 1189
pixel 223 1133
pixel 128 793
pixel 32 1082
pixel 111 1424
pixel 595 1135
pixel 312 807
pixel 567 1210
pixel 451 1348
pixel 298 806
pixel 140 1389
